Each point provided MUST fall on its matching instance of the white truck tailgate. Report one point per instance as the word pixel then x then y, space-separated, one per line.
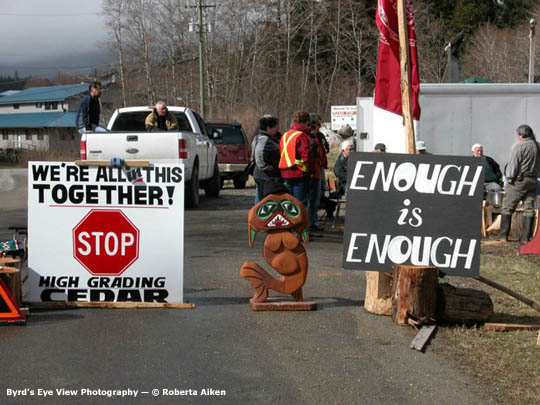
pixel 153 145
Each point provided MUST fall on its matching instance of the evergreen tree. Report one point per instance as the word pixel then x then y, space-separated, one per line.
pixel 12 82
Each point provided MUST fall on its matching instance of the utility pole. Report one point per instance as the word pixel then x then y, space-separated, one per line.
pixel 532 49
pixel 201 59
pixel 202 30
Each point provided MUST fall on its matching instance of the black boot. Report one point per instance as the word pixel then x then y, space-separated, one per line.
pixel 505 227
pixel 528 224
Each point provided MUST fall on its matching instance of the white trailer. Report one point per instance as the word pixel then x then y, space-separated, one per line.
pixel 454 117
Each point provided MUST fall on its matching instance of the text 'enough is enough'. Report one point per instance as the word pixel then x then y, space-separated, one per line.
pixel 425 178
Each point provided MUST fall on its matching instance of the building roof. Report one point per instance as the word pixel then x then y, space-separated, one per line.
pixel 38 120
pixel 49 93
pixel 9 93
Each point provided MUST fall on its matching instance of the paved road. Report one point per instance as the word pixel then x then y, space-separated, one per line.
pixel 338 354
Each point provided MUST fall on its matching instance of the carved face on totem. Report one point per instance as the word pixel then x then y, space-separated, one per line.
pixel 277 212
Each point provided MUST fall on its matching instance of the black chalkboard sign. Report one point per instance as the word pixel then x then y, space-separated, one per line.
pixel 423 210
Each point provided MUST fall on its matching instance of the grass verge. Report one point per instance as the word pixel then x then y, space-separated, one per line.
pixel 508 361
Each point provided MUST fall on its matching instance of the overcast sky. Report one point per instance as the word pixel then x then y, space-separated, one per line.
pixel 41 37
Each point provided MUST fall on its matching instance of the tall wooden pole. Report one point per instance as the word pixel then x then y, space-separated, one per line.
pixel 379 285
pixel 404 59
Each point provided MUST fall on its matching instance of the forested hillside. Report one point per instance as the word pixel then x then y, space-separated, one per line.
pixel 279 55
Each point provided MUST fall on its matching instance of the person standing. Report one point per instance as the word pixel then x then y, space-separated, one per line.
pixel 492 171
pixel 522 172
pixel 319 164
pixel 89 110
pixel 266 155
pixel 295 155
pixel 161 119
pixel 340 167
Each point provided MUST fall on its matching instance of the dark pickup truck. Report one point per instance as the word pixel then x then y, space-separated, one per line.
pixel 233 150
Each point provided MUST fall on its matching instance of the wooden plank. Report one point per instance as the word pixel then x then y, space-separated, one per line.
pixel 274 304
pixel 504 327
pixel 489 215
pixel 8 270
pixel 130 163
pixel 422 337
pixel 9 260
pixel 484 219
pixel 495 225
pixel 112 305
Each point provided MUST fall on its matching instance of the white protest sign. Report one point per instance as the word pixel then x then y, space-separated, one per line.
pixel 105 234
pixel 342 115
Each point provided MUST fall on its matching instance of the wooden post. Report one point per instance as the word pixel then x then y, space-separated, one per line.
pixel 378 285
pixel 414 289
pixel 510 292
pixel 404 60
pixel 378 293
pixel 414 294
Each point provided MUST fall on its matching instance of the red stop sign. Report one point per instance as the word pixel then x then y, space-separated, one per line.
pixel 105 242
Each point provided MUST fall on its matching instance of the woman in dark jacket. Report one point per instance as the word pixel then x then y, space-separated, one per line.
pixel 266 154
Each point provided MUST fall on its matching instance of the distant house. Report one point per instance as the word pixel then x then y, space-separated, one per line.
pixel 41 118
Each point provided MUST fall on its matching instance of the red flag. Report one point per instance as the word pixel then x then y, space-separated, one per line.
pixel 388 81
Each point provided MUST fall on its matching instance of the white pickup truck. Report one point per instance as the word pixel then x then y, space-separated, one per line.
pixel 189 145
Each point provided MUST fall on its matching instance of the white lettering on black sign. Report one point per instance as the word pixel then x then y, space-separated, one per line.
pixel 103 289
pixel 422 210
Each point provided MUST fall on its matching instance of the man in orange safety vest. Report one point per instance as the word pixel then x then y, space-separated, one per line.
pixel 295 159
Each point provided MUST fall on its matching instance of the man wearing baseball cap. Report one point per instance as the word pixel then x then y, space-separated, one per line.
pixel 492 171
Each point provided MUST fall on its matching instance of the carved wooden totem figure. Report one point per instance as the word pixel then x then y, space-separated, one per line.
pixel 285 220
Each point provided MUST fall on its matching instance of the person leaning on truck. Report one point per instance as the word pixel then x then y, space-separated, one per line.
pixel 89 110
pixel 522 171
pixel 160 119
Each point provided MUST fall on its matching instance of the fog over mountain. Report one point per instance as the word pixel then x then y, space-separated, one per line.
pixel 49 66
pixel 42 38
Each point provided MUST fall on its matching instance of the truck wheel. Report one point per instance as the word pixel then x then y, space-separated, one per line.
pixel 192 189
pixel 239 182
pixel 212 186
